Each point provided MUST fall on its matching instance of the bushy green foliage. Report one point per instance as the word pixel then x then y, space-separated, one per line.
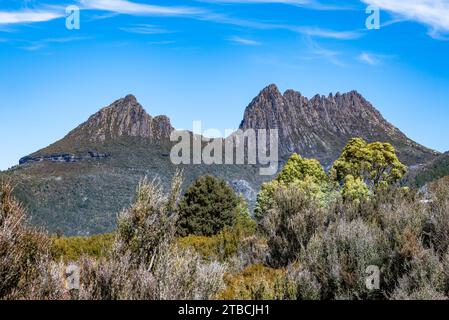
pixel 375 163
pixel 298 168
pixel 395 230
pixel 264 201
pixel 73 248
pixel 304 174
pixel 227 243
pixel 304 248
pixel 208 206
pixel 355 190
pixel 144 261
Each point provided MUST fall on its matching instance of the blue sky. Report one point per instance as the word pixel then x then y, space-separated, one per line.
pixel 206 59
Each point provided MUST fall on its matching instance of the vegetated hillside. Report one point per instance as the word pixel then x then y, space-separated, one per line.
pixel 299 248
pixel 320 127
pixel 79 184
pixel 85 197
pixel 431 171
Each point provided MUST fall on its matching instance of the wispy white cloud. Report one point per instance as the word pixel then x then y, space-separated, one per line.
pixel 244 41
pixel 325 33
pixel 29 16
pixel 433 13
pixel 163 42
pixel 289 2
pixel 369 58
pixel 225 19
pixel 111 8
pixel 103 16
pixel 374 59
pixel 316 51
pixel 145 29
pixel 311 4
pixel 134 8
pixel 305 30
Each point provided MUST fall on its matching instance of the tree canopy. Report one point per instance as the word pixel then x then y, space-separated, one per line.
pixel 208 205
pixel 298 172
pixel 375 163
pixel 298 168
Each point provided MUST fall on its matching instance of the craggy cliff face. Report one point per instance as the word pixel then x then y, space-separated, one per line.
pixel 124 117
pixel 320 127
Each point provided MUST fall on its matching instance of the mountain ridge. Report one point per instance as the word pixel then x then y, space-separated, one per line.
pixel 321 126
pixel 79 183
pixel 124 117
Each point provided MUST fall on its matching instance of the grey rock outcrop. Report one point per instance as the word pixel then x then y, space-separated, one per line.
pixel 124 117
pixel 243 188
pixel 64 157
pixel 320 127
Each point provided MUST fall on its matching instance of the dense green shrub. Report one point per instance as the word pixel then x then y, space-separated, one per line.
pixel 303 248
pixel 208 206
pixel 396 230
pixel 299 173
pixel 355 190
pixel 298 168
pixel 238 246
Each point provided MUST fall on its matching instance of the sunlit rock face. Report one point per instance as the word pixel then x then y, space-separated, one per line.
pixel 320 127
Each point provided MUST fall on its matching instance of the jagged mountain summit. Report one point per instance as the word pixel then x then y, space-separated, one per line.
pixel 79 183
pixel 124 117
pixel 320 127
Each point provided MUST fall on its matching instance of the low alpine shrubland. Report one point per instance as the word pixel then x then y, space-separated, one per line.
pixel 351 233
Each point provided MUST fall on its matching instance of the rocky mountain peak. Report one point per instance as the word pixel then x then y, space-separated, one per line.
pixel 130 98
pixel 270 95
pixel 321 126
pixel 290 93
pixel 123 107
pixel 270 89
pixel 124 117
